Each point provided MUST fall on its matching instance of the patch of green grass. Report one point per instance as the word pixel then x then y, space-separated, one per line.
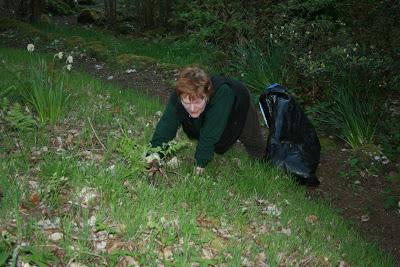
pixel 178 52
pixel 238 211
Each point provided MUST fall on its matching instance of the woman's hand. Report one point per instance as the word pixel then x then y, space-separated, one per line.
pixel 199 170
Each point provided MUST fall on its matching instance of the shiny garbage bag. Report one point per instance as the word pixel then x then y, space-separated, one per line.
pixel 293 143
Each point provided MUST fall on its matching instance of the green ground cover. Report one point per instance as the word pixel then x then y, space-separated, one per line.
pixel 78 191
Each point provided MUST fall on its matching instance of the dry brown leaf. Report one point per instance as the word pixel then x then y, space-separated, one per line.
pixel 261 260
pixel 34 198
pixel 127 261
pixel 205 222
pixel 343 264
pixel 207 253
pixel 312 218
pixel 286 231
pixel 115 245
pixel 56 237
pixel 167 253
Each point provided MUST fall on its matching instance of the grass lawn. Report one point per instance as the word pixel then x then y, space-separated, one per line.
pixel 77 191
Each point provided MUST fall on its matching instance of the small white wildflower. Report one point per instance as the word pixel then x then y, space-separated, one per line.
pixel 130 70
pixel 30 47
pixel 69 66
pixel 59 55
pixel 70 59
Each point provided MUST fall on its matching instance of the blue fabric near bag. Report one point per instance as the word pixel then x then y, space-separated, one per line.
pixel 293 143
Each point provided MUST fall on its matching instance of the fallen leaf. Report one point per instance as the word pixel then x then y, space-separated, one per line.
pixel 76 264
pixel 272 210
pixel 312 218
pixel 34 198
pixel 286 231
pixel 207 222
pixel 173 163
pixel 261 260
pixel 167 252
pixel 364 218
pixel 127 261
pixel 115 245
pixel 101 245
pixel 343 264
pixel 56 237
pixel 207 254
pixel 246 262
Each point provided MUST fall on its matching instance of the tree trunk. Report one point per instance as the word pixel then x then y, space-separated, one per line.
pixel 110 10
pixel 35 10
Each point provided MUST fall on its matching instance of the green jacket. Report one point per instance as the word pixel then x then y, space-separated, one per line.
pixel 216 129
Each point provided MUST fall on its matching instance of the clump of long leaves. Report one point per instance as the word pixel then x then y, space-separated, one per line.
pixel 355 115
pixel 45 90
pixel 260 68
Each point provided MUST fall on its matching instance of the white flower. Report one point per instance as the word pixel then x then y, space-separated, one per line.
pixel 69 66
pixel 59 55
pixel 30 47
pixel 70 59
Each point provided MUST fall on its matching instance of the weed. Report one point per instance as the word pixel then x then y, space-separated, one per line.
pixel 54 181
pixel 46 90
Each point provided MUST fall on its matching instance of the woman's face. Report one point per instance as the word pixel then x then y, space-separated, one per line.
pixel 195 106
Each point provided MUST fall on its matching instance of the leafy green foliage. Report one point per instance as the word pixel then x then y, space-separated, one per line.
pixel 133 152
pixel 5 249
pixel 55 179
pixel 259 69
pixel 16 117
pixel 38 256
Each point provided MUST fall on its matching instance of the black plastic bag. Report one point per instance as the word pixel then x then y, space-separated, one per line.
pixel 293 143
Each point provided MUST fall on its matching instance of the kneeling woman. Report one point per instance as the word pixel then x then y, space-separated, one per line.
pixel 216 110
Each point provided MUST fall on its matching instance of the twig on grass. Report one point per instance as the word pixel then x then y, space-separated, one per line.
pixel 95 134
